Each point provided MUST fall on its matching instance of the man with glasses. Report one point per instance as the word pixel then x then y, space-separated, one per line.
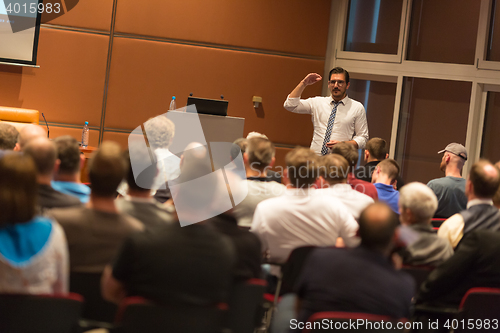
pixel 336 118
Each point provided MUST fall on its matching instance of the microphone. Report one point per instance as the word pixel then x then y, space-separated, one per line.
pixel 221 96
pixel 46 125
pixel 191 95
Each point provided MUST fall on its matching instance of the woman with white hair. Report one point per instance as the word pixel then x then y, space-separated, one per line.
pixel 417 205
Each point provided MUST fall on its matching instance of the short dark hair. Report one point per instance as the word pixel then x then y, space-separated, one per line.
pixel 485 186
pixel 260 153
pixel 140 158
pixel 18 193
pixel 8 136
pixel 44 154
pixel 377 148
pixel 347 151
pixel 107 169
pixel 339 70
pixel 300 161
pixel 334 168
pixel 390 167
pixel 377 224
pixel 68 152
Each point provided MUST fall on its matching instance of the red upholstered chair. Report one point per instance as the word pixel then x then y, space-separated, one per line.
pixel 479 310
pixel 40 313
pixel 332 321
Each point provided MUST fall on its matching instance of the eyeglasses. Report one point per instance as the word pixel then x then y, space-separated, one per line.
pixel 340 83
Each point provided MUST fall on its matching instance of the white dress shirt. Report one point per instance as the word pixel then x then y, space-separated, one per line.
pixel 354 201
pixel 350 120
pixel 301 218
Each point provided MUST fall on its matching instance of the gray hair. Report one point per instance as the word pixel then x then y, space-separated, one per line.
pixel 160 132
pixel 419 199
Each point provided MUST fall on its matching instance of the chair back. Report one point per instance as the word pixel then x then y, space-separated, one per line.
pixel 245 306
pixel 40 313
pixel 353 322
pixel 138 315
pixel 418 273
pixel 89 286
pixel 18 117
pixel 292 269
pixel 479 308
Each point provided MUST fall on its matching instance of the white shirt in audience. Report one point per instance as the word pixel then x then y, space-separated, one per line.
pixel 355 201
pixel 301 218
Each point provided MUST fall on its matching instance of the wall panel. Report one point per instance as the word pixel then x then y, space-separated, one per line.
pixel 145 74
pixel 294 26
pixel 68 86
pixel 87 14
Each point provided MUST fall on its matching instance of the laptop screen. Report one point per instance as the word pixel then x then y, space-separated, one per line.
pixel 216 107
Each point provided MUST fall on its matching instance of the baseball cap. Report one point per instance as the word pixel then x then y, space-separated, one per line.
pixel 457 149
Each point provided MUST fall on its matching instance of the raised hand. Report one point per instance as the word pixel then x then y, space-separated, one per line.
pixel 311 78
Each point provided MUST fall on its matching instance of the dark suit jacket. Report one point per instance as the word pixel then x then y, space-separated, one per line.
pixel 476 263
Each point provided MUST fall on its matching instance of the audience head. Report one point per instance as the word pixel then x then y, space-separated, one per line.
pixel 387 171
pixel 44 154
pixel 137 160
pixel 454 157
pixel 302 167
pixel 68 153
pixel 160 132
pixel 377 224
pixel 107 168
pixel 376 150
pixel 334 168
pixel 259 153
pixel 496 198
pixel 417 204
pixel 239 146
pixel 483 180
pixel 8 136
pixel 19 189
pixel 349 152
pixel 28 133
pixel 252 135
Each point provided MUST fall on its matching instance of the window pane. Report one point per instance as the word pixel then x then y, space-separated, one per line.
pixel 373 26
pixel 493 51
pixel 444 31
pixel 434 113
pixel 491 135
pixel 378 99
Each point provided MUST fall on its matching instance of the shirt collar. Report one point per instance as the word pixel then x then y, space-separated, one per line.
pixel 475 202
pixel 343 100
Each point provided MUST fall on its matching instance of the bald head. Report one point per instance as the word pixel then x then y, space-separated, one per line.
pixel 377 224
pixel 30 132
pixel 485 179
pixel 44 153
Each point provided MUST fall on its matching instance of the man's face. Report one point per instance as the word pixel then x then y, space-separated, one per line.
pixel 338 86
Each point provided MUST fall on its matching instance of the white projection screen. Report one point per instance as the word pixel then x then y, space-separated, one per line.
pixel 19 30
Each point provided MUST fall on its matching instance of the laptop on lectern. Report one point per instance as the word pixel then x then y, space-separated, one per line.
pixel 216 107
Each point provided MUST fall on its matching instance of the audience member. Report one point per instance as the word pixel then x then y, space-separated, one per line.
pixel 450 190
pixel 301 216
pixel 384 178
pixel 376 150
pixel 44 154
pixel 176 265
pixel 417 204
pixel 350 153
pixel 480 187
pixel 8 137
pixel 333 171
pixel 28 133
pixel 496 198
pixel 67 178
pixel 139 202
pixel 271 175
pixel 96 231
pixel 160 132
pixel 476 263
pixel 357 280
pixel 33 249
pixel 259 156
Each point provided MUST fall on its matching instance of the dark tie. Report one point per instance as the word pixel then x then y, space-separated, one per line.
pixel 328 133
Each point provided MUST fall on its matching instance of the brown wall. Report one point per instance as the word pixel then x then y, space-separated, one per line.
pixel 117 63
